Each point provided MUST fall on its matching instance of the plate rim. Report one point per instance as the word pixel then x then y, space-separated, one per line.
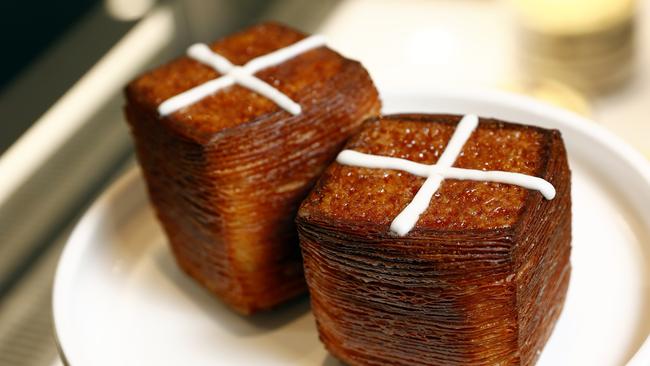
pixel 75 246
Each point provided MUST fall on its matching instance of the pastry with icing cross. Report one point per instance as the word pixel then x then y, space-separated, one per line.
pixel 436 173
pixel 439 240
pixel 230 139
pixel 242 75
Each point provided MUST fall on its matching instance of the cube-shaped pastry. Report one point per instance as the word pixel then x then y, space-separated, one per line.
pixel 437 240
pixel 230 139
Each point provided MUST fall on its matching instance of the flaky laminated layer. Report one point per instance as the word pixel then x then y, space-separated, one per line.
pixel 227 174
pixel 481 279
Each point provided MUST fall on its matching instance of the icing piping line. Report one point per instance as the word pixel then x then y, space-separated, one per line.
pixel 436 173
pixel 242 75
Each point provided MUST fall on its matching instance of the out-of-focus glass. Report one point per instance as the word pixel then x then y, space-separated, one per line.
pixel 587 44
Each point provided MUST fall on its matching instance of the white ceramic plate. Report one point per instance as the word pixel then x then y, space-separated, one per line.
pixel 120 300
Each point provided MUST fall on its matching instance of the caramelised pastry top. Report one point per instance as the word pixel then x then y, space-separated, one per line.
pixel 310 79
pixel 374 197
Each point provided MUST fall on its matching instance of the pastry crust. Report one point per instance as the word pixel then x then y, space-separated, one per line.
pixel 481 278
pixel 226 174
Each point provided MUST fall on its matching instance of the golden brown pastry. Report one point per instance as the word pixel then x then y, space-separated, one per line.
pixel 227 170
pixel 481 277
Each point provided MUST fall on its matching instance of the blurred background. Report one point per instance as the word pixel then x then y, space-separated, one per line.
pixel 63 139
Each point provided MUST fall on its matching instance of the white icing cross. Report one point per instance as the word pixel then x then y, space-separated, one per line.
pixel 242 75
pixel 438 172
